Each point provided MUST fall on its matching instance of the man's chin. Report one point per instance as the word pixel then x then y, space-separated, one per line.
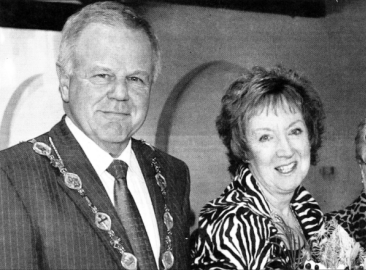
pixel 116 139
pixel 113 144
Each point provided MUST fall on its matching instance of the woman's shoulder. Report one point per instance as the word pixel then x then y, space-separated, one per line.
pixel 352 219
pixel 231 206
pixel 219 221
pixel 237 201
pixel 357 207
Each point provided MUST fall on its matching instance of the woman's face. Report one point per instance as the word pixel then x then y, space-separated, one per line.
pixel 362 164
pixel 279 149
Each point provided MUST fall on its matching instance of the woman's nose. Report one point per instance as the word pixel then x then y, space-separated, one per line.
pixel 284 148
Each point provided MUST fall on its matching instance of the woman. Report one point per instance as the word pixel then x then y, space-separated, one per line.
pixel 353 217
pixel 271 122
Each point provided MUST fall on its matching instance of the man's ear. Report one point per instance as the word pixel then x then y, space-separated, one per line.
pixel 64 82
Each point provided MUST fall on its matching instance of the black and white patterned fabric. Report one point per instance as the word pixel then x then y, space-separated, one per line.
pixel 236 230
pixel 353 219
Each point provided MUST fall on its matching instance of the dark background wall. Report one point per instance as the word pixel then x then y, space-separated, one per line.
pixel 203 49
pixel 330 51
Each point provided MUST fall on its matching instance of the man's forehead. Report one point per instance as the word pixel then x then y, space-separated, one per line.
pixel 118 26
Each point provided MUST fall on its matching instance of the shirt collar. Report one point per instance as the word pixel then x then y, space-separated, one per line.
pixel 99 158
pixel 303 204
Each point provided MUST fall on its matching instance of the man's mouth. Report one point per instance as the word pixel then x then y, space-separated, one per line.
pixel 115 113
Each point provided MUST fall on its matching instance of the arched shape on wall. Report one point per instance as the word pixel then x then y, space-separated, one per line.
pixel 166 117
pixel 10 109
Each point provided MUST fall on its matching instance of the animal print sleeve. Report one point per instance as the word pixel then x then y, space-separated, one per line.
pixel 353 219
pixel 237 240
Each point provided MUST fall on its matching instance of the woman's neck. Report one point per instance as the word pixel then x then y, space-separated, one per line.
pixel 280 210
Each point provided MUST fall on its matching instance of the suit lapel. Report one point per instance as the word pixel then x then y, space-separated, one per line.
pixel 144 155
pixel 75 161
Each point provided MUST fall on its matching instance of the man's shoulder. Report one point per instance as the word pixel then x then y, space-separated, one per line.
pixel 158 153
pixel 170 158
pixel 20 153
pixel 23 149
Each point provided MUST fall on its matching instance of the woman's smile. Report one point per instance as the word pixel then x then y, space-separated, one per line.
pixel 287 169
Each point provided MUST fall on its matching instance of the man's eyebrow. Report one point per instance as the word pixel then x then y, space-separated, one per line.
pixel 100 68
pixel 141 72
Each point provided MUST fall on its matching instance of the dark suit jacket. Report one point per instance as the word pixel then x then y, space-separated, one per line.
pixel 45 225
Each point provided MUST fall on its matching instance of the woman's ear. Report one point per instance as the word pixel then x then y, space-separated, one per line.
pixel 64 83
pixel 247 156
pixel 363 180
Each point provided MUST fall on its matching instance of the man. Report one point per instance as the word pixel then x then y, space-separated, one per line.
pixel 65 202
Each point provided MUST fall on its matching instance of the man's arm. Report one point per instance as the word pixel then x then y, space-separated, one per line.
pixel 18 248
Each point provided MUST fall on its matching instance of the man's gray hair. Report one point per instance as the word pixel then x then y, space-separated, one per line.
pixel 108 13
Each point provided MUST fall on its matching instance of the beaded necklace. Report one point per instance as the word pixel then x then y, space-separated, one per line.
pixel 102 220
pixel 280 224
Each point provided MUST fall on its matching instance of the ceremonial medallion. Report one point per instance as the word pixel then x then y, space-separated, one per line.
pixel 160 180
pixel 168 220
pixel 103 221
pixel 129 261
pixel 72 181
pixel 42 148
pixel 168 259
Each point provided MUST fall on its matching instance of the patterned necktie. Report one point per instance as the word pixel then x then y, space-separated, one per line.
pixel 130 217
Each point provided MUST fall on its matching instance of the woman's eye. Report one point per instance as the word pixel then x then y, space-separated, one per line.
pixel 296 131
pixel 264 138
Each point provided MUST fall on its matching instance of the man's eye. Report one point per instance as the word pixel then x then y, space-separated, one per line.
pixel 136 79
pixel 101 78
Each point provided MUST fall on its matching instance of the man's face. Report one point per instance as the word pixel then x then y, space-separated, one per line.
pixel 107 95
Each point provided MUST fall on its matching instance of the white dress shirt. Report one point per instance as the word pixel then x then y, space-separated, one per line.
pixel 101 160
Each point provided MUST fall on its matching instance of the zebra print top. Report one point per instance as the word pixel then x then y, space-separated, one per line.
pixel 235 230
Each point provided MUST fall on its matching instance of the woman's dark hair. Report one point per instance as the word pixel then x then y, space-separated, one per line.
pixel 259 89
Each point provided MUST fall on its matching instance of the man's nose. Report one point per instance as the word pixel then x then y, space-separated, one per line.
pixel 119 90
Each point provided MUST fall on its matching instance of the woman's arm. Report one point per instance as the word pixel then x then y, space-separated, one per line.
pixel 353 219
